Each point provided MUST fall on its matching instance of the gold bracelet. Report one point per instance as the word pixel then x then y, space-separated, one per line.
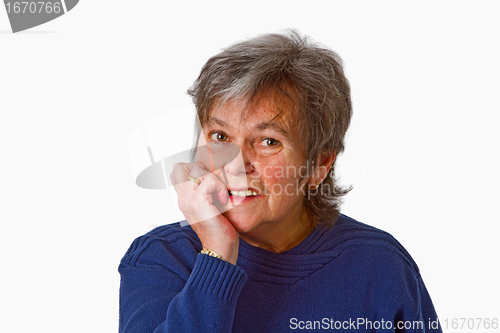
pixel 211 253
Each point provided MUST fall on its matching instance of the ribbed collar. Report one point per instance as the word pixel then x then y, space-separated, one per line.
pixel 290 266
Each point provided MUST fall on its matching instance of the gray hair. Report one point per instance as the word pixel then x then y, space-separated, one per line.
pixel 302 73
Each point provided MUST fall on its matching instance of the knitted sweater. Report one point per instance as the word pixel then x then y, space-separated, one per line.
pixel 351 277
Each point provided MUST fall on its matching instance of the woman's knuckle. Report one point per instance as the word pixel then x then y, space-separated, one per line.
pixel 178 166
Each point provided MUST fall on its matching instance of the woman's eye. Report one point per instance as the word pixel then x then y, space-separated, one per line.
pixel 270 142
pixel 218 136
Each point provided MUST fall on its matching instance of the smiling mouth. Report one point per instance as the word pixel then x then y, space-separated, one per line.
pixel 247 193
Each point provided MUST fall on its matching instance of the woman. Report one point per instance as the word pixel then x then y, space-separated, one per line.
pixel 266 248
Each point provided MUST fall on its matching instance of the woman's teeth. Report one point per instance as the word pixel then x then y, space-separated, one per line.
pixel 247 193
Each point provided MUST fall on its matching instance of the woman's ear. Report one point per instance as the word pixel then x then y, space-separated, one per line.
pixel 323 166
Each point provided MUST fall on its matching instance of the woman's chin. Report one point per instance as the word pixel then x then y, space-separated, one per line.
pixel 242 223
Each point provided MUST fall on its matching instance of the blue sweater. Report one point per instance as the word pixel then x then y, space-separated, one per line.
pixel 351 277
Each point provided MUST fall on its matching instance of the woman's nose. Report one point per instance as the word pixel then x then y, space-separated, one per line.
pixel 242 164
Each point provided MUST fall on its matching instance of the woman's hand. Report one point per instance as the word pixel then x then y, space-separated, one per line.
pixel 198 204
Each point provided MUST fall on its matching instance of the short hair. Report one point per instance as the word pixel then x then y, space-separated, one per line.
pixel 297 70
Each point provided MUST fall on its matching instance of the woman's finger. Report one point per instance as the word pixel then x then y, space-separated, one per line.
pixel 211 184
pixel 181 171
pixel 200 173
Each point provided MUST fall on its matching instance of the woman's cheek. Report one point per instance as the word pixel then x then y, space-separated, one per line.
pixel 275 178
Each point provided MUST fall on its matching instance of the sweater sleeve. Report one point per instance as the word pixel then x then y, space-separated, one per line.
pixel 428 314
pixel 389 282
pixel 157 298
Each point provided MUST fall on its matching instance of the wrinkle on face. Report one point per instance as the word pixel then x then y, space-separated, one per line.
pixel 276 219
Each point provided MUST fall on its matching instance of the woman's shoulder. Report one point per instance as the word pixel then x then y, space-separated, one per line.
pixel 164 245
pixel 351 236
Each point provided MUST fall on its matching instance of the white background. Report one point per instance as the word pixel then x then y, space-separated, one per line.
pixel 422 150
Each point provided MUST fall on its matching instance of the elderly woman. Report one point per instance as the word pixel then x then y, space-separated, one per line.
pixel 266 248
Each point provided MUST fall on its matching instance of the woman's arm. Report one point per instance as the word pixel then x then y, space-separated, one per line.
pixel 168 287
pixel 154 298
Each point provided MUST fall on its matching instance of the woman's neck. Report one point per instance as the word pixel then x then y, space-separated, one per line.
pixel 279 237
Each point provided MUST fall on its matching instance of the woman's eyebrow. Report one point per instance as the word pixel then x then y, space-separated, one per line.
pixel 216 121
pixel 273 126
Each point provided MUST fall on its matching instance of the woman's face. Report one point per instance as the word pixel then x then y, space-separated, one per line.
pixel 270 164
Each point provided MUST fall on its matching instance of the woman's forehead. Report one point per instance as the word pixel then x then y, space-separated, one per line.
pixel 267 111
pixel 261 117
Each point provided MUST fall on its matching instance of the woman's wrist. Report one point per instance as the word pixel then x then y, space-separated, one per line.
pixel 229 254
pixel 211 253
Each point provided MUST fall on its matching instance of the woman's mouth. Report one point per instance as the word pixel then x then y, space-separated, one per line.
pixel 241 195
pixel 247 193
